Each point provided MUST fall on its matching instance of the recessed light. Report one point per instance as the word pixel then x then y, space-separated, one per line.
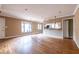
pixel 55 17
pixel 26 9
pixel 59 12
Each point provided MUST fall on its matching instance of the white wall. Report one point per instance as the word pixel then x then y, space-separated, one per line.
pixel 0 6
pixel 76 27
pixel 2 27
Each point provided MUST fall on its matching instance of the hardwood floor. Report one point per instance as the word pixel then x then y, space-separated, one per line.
pixel 38 44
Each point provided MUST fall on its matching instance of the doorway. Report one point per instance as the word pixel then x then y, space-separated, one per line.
pixel 68 28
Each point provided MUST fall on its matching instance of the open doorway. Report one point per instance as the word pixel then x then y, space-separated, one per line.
pixel 68 28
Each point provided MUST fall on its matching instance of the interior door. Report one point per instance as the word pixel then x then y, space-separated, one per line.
pixel 71 28
pixel 68 28
pixel 2 27
pixel 65 29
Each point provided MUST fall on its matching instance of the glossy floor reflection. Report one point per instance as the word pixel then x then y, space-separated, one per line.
pixel 37 44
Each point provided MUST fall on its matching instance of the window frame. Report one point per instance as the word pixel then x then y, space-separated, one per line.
pixel 39 26
pixel 23 27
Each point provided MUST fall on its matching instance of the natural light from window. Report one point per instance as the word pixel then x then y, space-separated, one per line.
pixel 26 27
pixel 39 26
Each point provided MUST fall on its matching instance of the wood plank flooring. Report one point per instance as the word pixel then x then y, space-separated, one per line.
pixel 38 44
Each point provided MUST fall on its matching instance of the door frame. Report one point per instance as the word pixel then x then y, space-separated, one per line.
pixel 68 29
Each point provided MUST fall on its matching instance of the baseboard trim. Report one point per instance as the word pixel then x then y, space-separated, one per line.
pixel 11 37
pixel 76 43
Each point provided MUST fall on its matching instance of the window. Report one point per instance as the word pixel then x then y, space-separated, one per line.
pixel 56 25
pixel 22 27
pixel 39 26
pixel 52 25
pixel 26 27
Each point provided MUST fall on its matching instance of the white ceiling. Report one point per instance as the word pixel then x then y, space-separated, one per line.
pixel 37 12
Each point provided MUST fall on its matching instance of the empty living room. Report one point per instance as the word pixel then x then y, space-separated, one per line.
pixel 39 29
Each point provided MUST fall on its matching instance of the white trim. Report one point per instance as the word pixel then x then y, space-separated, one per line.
pixel 76 43
pixel 76 9
pixel 10 37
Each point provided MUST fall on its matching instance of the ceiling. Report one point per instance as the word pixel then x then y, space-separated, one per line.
pixel 37 12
